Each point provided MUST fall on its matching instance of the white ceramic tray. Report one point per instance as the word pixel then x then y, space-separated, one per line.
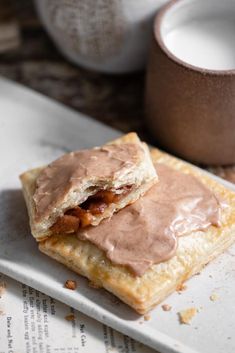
pixel 34 130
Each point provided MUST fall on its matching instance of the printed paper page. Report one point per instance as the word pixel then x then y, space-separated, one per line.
pixel 32 322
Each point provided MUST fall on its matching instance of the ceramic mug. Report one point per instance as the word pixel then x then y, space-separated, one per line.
pixel 190 89
pixel 105 35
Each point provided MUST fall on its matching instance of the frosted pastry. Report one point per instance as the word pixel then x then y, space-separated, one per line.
pixel 84 187
pixel 174 248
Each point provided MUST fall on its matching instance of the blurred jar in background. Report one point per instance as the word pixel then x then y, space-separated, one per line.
pixel 110 36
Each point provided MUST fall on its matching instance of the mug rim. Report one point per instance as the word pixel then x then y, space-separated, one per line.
pixel 158 39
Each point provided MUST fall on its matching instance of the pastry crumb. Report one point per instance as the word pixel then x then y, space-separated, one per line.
pixel 214 297
pixel 181 287
pixel 166 307
pixel 185 316
pixel 93 285
pixel 147 317
pixel 2 288
pixel 70 317
pixel 70 284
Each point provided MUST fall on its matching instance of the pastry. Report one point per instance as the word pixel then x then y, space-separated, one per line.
pixel 194 228
pixel 84 187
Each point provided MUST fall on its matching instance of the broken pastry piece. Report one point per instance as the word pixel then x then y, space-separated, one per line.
pixel 147 250
pixel 84 187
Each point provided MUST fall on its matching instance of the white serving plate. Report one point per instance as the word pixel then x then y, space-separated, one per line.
pixel 34 130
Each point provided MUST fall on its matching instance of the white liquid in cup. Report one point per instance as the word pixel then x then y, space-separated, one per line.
pixel 206 43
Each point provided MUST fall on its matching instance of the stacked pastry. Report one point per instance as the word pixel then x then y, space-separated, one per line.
pixel 135 222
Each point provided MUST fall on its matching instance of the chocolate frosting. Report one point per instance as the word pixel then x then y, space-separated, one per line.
pixel 145 233
pixel 70 172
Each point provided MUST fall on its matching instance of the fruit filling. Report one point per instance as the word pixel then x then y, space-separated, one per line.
pixel 81 216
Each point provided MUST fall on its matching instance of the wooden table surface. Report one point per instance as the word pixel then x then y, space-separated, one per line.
pixel 28 56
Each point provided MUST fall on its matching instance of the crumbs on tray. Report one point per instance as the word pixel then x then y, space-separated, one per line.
pixel 147 317
pixel 70 284
pixel 70 317
pixel 185 316
pixel 2 288
pixel 166 307
pixel 214 297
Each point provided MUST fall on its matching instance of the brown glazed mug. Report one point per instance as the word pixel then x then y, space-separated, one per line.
pixel 190 87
